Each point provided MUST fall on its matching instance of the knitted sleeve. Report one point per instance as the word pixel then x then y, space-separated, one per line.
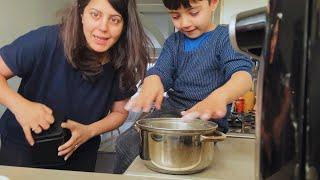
pixel 232 61
pixel 164 66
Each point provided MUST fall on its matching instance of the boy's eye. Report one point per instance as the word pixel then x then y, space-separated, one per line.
pixel 194 13
pixel 175 16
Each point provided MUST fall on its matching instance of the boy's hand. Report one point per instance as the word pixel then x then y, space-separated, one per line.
pixel 213 107
pixel 151 92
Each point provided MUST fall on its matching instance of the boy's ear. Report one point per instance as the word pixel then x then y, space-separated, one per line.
pixel 214 4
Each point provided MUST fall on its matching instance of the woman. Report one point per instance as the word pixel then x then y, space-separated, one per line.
pixel 83 69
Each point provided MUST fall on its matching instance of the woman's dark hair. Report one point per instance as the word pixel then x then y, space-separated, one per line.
pixel 176 4
pixel 129 56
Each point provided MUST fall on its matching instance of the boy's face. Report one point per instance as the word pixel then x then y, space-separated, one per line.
pixel 196 20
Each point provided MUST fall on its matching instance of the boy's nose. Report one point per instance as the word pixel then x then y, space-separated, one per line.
pixel 185 23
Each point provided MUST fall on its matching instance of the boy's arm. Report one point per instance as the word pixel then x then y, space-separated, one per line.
pixel 214 106
pixel 159 79
pixel 151 92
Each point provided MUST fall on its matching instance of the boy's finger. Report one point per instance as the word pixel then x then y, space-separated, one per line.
pixel 205 116
pixel 190 116
pixel 159 100
pixel 147 107
pixel 129 105
pixel 137 109
pixel 218 114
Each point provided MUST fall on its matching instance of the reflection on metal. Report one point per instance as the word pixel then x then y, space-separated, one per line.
pixel 241 135
pixel 153 29
pixel 247 35
pixel 258 118
pixel 148 8
pixel 247 32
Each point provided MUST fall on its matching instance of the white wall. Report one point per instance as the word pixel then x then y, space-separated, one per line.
pixel 20 16
pixel 231 7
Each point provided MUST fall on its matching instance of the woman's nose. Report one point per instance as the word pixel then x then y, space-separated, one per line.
pixel 104 26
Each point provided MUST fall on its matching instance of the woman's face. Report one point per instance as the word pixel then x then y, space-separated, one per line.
pixel 102 25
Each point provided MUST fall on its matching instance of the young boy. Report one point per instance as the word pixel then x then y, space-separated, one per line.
pixel 198 69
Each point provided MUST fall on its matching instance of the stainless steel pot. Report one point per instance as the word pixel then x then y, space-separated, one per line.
pixel 175 146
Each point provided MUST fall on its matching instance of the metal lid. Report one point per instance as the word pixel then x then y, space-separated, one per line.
pixel 176 125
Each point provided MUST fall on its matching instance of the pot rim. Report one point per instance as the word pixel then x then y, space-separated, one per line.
pixel 141 124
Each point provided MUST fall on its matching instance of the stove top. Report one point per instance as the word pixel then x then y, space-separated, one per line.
pixel 242 123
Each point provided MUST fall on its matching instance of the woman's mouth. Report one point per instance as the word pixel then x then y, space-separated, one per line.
pixel 100 40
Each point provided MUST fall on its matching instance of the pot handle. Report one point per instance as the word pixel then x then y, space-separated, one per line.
pixel 217 136
pixel 136 128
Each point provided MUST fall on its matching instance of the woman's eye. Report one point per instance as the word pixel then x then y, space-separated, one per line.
pixel 115 20
pixel 94 15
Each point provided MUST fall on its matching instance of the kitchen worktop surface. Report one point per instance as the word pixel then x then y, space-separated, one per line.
pixel 19 173
pixel 233 159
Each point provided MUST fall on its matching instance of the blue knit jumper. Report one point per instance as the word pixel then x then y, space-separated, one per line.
pixel 190 71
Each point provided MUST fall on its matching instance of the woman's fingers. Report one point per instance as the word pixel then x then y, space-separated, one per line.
pixel 70 153
pixel 67 150
pixel 47 109
pixel 70 143
pixel 27 133
pixel 49 119
pixel 44 125
pixel 37 130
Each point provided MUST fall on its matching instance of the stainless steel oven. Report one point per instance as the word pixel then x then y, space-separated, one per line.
pixel 285 37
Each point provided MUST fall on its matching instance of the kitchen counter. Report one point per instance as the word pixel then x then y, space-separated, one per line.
pixel 20 173
pixel 233 159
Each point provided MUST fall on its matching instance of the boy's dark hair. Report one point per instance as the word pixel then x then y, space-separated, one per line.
pixel 129 55
pixel 176 4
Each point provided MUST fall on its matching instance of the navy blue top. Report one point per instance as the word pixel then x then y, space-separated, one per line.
pixel 38 58
pixel 191 69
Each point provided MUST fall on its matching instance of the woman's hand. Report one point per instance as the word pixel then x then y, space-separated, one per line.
pixel 151 92
pixel 79 134
pixel 213 107
pixel 33 116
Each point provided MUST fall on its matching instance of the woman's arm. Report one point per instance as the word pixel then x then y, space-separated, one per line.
pixel 112 121
pixel 81 133
pixel 7 96
pixel 30 115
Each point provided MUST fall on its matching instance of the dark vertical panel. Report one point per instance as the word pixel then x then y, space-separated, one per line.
pixel 313 115
pixel 283 103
